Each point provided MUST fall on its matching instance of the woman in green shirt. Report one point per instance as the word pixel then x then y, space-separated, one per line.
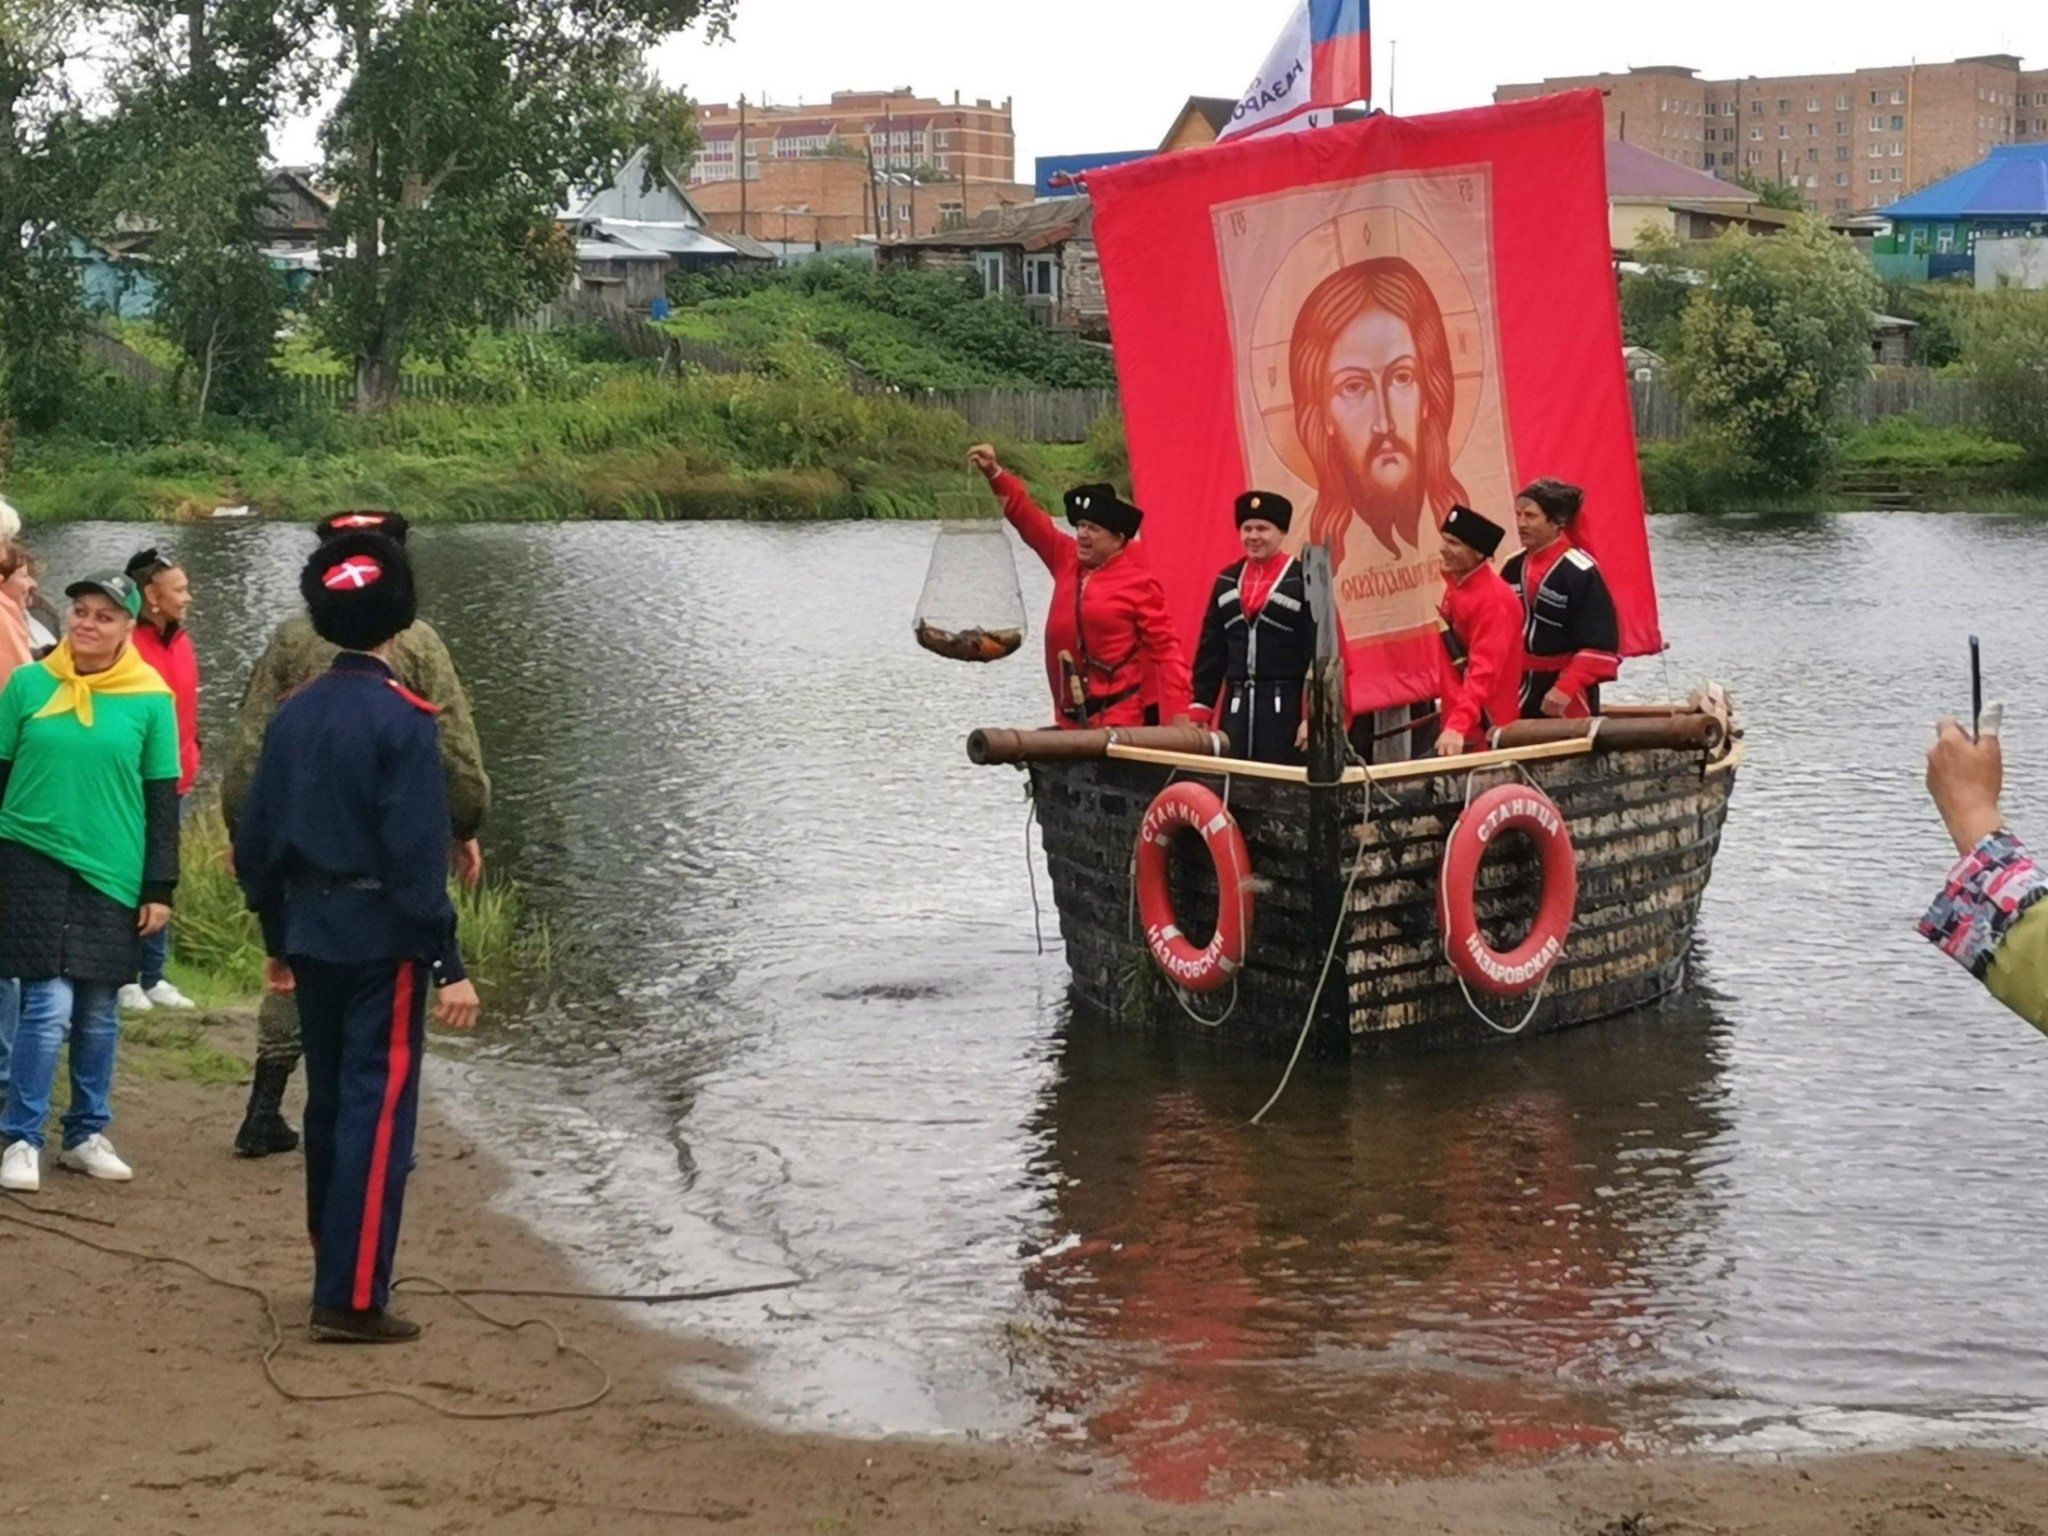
pixel 88 860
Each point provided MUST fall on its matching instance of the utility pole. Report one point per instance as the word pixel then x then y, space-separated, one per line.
pixel 964 219
pixel 889 159
pixel 741 147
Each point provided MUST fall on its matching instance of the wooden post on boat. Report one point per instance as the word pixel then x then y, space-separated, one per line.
pixel 1328 847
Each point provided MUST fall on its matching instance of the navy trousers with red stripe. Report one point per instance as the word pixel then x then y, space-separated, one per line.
pixel 363 1026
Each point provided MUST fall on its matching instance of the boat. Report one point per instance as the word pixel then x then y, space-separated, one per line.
pixel 1346 944
pixel 1378 899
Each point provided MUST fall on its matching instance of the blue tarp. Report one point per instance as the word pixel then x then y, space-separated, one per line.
pixel 2012 183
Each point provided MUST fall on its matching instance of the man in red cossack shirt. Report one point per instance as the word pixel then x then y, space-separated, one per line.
pixel 1482 619
pixel 1571 639
pixel 1111 655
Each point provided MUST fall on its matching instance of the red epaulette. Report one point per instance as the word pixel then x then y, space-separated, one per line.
pixel 414 699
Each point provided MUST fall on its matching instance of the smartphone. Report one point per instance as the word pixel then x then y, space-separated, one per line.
pixel 1976 689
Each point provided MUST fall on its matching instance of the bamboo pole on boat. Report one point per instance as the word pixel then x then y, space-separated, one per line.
pixel 995 745
pixel 1621 733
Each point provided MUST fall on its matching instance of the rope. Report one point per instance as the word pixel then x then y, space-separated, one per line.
pixel 1030 869
pixel 1315 999
pixel 460 1296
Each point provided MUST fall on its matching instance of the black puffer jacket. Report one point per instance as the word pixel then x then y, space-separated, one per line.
pixel 52 923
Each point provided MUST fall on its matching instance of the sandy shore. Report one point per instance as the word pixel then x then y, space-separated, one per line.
pixel 135 1401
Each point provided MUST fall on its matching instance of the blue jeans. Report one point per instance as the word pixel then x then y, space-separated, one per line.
pixel 10 1016
pixel 86 1012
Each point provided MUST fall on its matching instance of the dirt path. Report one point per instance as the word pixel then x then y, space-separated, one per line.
pixel 134 1401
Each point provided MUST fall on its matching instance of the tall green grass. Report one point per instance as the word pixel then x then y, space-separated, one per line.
pixel 214 934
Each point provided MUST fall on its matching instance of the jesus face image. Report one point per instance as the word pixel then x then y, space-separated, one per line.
pixel 1374 389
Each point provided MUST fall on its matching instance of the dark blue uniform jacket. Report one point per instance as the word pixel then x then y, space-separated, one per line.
pixel 342 847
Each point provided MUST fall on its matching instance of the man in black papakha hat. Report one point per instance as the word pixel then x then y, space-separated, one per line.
pixel 1112 656
pixel 342 850
pixel 1481 621
pixel 1571 637
pixel 1258 641
pixel 295 656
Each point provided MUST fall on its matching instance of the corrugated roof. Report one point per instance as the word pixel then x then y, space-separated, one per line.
pixel 746 245
pixel 804 128
pixel 1635 174
pixel 1031 226
pixel 633 235
pixel 2011 183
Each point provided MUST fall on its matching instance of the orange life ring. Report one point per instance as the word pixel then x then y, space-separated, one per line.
pixel 1507 808
pixel 1196 806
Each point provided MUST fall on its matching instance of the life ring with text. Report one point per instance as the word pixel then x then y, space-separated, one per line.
pixel 1192 969
pixel 1508 808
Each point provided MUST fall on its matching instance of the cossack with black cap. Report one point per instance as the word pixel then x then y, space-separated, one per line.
pixel 359 591
pixel 1268 506
pixel 1474 531
pixel 1099 503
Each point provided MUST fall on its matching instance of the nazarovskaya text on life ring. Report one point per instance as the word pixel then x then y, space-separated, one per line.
pixel 1196 970
pixel 1507 808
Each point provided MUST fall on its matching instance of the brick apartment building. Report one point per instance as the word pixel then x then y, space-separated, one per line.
pixel 1849 141
pixel 889 164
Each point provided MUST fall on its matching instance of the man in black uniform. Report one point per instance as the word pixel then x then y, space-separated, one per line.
pixel 1258 641
pixel 1571 640
pixel 342 851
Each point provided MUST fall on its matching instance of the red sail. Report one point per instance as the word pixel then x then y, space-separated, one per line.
pixel 1378 320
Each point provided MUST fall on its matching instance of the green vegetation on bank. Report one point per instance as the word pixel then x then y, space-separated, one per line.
pixel 909 329
pixel 217 954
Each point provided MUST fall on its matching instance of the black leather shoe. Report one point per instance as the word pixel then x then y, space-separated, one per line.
pixel 264 1130
pixel 368 1325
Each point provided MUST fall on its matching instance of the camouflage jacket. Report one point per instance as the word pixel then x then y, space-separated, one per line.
pixel 295 656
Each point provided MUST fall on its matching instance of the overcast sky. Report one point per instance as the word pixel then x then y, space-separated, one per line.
pixel 1092 75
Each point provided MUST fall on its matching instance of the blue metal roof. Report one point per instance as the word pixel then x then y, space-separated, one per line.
pixel 2011 184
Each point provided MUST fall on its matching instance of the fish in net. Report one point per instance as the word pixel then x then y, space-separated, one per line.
pixel 971 608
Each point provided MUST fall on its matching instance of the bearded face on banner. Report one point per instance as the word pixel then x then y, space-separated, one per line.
pixel 1374 389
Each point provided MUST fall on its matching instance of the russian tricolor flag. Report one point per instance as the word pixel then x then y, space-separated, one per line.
pixel 1322 61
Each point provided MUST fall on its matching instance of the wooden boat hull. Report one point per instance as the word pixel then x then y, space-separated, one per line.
pixel 1644 825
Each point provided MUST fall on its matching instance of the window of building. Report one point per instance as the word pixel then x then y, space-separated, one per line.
pixel 1945 240
pixel 1784 104
pixel 1876 98
pixel 1898 148
pixel 1876 151
pixel 1897 174
pixel 1756 109
pixel 1752 157
pixel 1841 205
pixel 1841 125
pixel 1813 103
pixel 1727 157
pixel 1877 125
pixel 1841 178
pixel 1898 98
pixel 1813 157
pixel 903 212
pixel 991 265
pixel 1841 151
pixel 1042 277
pixel 1842 102
pixel 1898 121
pixel 1784 130
pixel 1876 173
pixel 1755 134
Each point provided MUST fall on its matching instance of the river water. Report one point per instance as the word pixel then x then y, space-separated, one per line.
pixel 802 1029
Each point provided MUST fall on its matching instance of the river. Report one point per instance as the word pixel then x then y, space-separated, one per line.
pixel 801 1029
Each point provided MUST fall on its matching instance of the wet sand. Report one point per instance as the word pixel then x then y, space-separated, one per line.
pixel 135 1401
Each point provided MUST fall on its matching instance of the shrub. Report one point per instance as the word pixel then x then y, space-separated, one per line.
pixel 2007 348
pixel 1770 345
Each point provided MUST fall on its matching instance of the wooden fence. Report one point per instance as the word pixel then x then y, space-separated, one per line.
pixel 1942 402
pixel 1035 415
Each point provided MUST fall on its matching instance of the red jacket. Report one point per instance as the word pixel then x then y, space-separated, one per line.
pixel 1486 617
pixel 175 663
pixel 1132 655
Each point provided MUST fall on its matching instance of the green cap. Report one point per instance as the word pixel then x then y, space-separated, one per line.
pixel 112 584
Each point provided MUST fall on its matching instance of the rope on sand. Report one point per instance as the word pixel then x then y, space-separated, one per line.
pixel 460 1296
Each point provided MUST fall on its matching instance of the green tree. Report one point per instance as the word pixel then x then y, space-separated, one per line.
pixel 182 156
pixel 42 186
pixel 1772 194
pixel 1771 345
pixel 1653 301
pixel 462 128
pixel 2006 346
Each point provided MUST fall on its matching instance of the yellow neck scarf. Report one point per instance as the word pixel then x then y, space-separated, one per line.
pixel 75 690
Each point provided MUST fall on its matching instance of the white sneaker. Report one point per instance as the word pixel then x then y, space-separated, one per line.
pixel 164 995
pixel 95 1157
pixel 21 1169
pixel 132 999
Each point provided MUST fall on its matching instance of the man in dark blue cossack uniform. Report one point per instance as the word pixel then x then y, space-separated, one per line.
pixel 342 851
